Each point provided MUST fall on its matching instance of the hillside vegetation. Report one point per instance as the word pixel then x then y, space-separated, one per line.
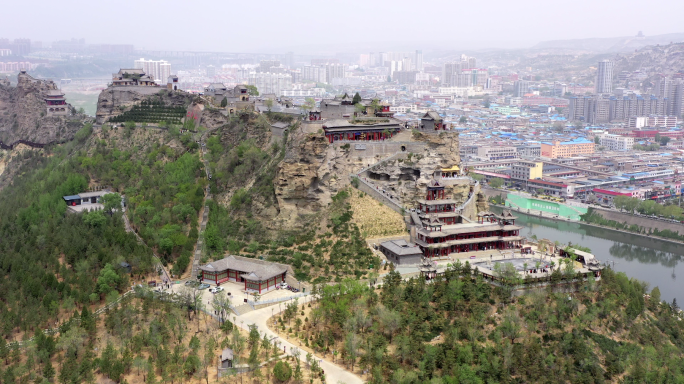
pixel 459 329
pixel 51 261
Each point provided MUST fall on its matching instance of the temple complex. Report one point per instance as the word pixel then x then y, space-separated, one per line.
pixel 132 77
pixel 364 129
pixel 445 231
pixel 441 229
pixel 236 98
pixel 367 120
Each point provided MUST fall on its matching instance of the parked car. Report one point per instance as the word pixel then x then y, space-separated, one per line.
pixel 216 290
pixel 282 285
pixel 203 286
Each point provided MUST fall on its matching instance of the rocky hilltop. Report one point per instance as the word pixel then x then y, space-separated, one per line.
pixel 116 100
pixel 610 44
pixel 291 181
pixel 661 59
pixel 23 114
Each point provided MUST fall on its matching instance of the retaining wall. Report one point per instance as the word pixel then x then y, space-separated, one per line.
pixel 641 221
pixel 372 192
pixel 366 149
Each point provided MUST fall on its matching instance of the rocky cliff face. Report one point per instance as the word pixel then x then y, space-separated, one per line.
pixel 313 171
pixel 115 100
pixel 23 113
pixel 300 183
pixel 407 175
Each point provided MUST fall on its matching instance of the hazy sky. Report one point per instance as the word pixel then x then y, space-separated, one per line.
pixel 279 26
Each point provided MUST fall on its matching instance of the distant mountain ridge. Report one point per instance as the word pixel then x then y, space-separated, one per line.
pixel 611 44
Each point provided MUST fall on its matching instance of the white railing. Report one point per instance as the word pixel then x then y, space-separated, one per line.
pixel 276 300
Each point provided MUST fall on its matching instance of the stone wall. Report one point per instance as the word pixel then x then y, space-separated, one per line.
pixel 367 149
pixel 379 196
pixel 641 221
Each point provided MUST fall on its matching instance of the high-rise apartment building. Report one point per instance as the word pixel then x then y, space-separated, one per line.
pixel 267 82
pixel 578 108
pixel 662 86
pixel 21 47
pixel 419 61
pixel 520 88
pixel 471 78
pixel 472 62
pixel 406 64
pixel 159 70
pixel 395 66
pixel 314 73
pixel 604 77
pixel 267 65
pixel 674 106
pixel 449 70
pixel 334 71
pixel 211 71
pixel 599 110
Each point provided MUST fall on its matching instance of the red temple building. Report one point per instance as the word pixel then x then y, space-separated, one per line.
pixel 56 103
pixel 443 230
pixel 364 129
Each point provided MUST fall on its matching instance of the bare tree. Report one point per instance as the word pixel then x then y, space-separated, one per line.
pixel 221 304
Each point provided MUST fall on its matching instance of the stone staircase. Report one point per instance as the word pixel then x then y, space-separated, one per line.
pixel 242 309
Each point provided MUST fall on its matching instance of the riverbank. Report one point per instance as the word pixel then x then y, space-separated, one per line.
pixel 549 216
pixel 573 209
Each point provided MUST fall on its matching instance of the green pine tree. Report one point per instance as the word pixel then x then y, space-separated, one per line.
pixel 48 371
pixel 356 99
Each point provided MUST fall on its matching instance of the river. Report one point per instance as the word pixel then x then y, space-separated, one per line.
pixel 651 260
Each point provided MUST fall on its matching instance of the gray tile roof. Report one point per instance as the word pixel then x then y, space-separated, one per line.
pixel 401 247
pixel 253 269
pixel 93 194
pixel 431 115
pixel 227 354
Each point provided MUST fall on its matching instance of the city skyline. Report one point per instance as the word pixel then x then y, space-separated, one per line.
pixel 278 30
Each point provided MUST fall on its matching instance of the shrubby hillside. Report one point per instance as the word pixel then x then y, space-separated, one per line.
pixel 460 329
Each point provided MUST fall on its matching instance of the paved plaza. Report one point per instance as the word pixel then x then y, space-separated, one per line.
pixel 236 291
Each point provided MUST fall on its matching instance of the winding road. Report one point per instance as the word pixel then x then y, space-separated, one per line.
pixel 334 373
